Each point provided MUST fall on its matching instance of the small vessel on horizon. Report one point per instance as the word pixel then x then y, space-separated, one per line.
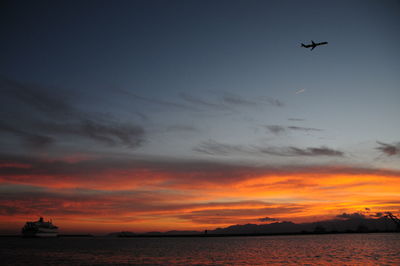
pixel 40 228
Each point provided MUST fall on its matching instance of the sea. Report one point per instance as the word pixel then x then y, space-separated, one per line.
pixel 326 249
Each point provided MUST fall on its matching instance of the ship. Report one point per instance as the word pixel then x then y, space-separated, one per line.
pixel 40 228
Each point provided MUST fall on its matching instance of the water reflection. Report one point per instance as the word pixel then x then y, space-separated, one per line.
pixel 350 249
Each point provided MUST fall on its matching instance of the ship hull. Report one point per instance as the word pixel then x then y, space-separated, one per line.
pixel 39 234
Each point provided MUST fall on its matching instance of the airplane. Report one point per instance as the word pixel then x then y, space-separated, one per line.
pixel 313 44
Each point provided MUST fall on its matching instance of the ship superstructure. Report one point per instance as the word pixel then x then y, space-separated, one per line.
pixel 40 228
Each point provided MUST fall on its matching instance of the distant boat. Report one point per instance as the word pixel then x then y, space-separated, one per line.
pixel 40 228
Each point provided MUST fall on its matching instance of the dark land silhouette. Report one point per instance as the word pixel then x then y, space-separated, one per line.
pixel 335 226
pixel 344 223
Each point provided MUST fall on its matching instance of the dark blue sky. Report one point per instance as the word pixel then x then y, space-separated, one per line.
pixel 218 72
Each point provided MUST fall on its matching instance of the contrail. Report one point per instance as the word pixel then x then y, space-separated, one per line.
pixel 300 91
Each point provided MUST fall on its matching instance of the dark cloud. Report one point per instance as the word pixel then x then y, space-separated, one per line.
pixel 38 141
pixel 110 133
pixel 8 210
pixel 44 100
pixel 304 128
pixel 31 140
pixel 324 151
pixel 294 151
pixel 355 215
pixel 268 219
pixel 276 129
pixel 40 117
pixel 215 148
pixel 389 149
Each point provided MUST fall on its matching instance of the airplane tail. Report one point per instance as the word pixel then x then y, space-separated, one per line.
pixel 302 45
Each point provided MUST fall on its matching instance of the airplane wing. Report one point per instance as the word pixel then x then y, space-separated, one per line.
pixel 312 48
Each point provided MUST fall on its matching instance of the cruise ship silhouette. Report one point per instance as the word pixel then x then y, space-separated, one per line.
pixel 40 228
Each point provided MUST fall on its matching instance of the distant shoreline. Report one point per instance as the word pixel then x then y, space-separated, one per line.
pixel 255 234
pixel 208 235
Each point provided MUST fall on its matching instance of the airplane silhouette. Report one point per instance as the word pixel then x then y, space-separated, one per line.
pixel 313 44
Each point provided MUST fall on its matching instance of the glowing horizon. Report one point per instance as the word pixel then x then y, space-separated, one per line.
pixel 142 198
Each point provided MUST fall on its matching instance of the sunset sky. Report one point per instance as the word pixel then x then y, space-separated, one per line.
pixel 192 115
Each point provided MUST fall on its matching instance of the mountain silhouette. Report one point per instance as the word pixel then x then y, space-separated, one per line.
pixel 341 225
pixel 357 224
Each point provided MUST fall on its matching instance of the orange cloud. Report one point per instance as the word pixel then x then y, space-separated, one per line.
pixel 143 196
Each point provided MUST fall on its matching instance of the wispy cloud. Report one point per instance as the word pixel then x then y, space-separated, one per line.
pixel 304 128
pixel 212 147
pixel 295 151
pixel 48 117
pixel 229 101
pixel 110 133
pixel 235 99
pixel 389 149
pixel 296 119
pixel 324 151
pixel 278 129
pixel 31 140
pixel 300 91
pixel 38 98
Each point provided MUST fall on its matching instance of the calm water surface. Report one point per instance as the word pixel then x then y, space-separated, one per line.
pixel 347 249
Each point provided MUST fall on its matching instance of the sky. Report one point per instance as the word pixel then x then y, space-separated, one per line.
pixel 192 115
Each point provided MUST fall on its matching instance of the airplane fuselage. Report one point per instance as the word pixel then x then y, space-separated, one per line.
pixel 313 44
